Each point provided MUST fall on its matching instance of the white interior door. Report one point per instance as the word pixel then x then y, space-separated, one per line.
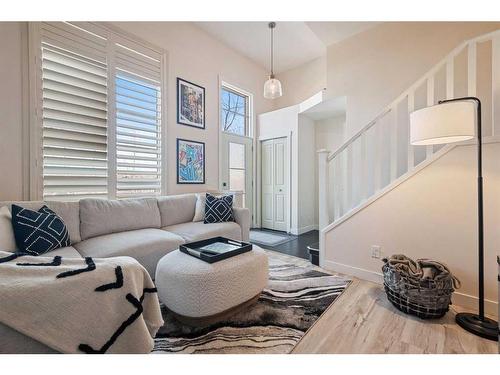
pixel 236 172
pixel 274 184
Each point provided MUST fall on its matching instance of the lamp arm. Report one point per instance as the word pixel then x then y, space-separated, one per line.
pixel 479 127
pixel 479 197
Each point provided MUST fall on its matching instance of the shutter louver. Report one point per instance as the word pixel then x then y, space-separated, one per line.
pixel 74 94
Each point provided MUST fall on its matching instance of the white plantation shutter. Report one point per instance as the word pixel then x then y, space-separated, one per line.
pixel 98 90
pixel 74 113
pixel 138 123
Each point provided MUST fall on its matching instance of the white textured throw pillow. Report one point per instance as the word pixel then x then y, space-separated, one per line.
pixel 7 239
pixel 199 211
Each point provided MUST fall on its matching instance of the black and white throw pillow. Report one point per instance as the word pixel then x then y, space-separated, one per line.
pixel 218 209
pixel 38 232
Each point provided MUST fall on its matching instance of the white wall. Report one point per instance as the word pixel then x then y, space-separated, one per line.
pixel 192 55
pixel 329 135
pixel 431 215
pixel 307 180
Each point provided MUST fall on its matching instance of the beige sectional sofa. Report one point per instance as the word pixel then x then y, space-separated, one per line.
pixel 145 229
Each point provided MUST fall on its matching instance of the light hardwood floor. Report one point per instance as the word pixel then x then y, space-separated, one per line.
pixel 363 321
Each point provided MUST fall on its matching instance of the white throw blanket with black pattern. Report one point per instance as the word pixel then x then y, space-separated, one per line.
pixel 80 305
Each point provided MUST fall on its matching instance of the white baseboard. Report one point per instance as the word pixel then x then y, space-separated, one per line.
pixel 471 302
pixel 302 230
pixel 360 273
pixel 460 299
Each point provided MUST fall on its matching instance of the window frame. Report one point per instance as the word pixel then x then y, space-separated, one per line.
pixel 114 36
pixel 248 109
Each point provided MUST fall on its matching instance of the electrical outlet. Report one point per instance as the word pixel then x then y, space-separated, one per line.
pixel 376 251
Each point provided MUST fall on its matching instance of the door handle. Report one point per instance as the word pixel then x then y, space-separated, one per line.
pixel 280 190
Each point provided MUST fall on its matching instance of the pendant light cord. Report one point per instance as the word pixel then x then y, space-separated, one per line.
pixel 271 26
pixel 272 47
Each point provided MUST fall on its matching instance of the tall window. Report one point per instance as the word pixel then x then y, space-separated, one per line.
pixel 138 164
pixel 100 108
pixel 234 112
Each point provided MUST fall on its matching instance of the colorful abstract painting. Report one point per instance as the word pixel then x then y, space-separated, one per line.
pixel 190 162
pixel 190 104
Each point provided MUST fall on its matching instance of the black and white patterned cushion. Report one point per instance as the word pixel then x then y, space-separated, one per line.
pixel 38 232
pixel 218 209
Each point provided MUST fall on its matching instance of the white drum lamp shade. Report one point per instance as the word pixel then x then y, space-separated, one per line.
pixel 443 123
pixel 272 88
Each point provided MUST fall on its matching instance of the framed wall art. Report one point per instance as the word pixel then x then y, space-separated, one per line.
pixel 190 104
pixel 190 162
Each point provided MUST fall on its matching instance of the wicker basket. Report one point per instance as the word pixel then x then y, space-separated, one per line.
pixel 425 298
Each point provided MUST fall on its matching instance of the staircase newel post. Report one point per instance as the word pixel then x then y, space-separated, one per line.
pixel 323 189
pixel 323 201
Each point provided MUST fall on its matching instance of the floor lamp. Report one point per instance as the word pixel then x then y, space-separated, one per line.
pixel 452 121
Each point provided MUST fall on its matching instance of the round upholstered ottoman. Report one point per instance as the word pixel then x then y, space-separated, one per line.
pixel 200 293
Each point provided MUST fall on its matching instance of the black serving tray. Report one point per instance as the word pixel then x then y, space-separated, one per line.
pixel 196 250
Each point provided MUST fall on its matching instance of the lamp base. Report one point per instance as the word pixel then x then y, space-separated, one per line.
pixel 486 328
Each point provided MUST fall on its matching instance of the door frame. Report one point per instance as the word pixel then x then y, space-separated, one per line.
pixel 251 134
pixel 258 200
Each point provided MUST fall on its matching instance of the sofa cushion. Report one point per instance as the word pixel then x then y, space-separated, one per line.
pixel 199 211
pixel 196 231
pixel 69 212
pixel 176 209
pixel 102 216
pixel 147 246
pixel 7 239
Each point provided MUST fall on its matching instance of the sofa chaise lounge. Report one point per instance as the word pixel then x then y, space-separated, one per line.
pixel 145 229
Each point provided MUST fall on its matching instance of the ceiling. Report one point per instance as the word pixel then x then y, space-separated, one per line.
pixel 295 43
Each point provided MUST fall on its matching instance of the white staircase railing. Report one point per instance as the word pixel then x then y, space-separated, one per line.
pixel 380 155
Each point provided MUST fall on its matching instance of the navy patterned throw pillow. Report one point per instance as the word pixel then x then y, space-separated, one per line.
pixel 218 209
pixel 38 232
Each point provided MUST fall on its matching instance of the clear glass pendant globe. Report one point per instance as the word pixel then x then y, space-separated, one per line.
pixel 272 89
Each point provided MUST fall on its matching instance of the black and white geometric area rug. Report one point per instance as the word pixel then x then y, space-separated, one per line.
pixel 297 294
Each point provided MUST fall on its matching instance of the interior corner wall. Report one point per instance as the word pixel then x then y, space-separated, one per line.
pixel 307 185
pixel 330 135
pixel 302 82
pixel 374 67
pixel 431 215
pixel 11 111
pixel 192 55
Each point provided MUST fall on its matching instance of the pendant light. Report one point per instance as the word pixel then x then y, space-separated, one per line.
pixel 272 87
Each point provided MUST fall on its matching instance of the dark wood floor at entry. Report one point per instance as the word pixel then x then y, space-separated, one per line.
pixel 296 247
